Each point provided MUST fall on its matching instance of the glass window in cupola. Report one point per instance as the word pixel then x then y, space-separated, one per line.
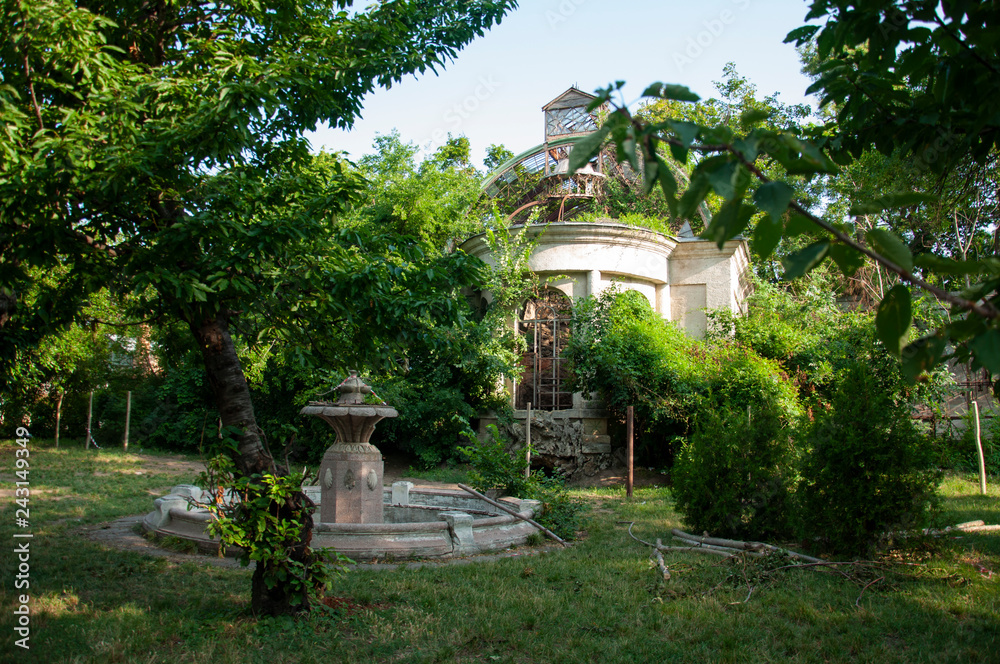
pixel 567 115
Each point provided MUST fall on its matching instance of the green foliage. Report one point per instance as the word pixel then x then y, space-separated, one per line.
pixel 493 467
pixel 735 476
pixel 495 156
pixel 452 372
pixel 433 415
pixel 909 81
pixel 453 154
pixel 956 449
pixel 734 400
pixel 562 512
pixel 428 201
pixel 621 349
pixel 266 516
pixel 814 340
pixel 165 155
pixel 738 109
pixel 867 470
pixel 990 440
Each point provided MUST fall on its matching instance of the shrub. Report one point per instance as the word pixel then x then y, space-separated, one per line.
pixel 272 522
pixel 734 477
pixel 957 449
pixel 868 470
pixel 561 513
pixel 496 468
pixel 432 419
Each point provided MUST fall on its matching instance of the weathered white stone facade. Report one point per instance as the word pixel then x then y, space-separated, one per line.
pixel 682 277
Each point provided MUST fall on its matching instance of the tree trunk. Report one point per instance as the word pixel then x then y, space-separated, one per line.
pixel 235 406
pixel 232 394
pixel 277 601
pixel 62 393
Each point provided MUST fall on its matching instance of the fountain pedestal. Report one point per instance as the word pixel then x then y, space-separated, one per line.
pixel 350 474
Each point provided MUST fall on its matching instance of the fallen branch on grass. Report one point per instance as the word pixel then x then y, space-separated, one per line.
pixel 978 526
pixel 737 546
pixel 658 557
pixel 725 550
pixel 967 527
pixel 659 546
pixel 867 586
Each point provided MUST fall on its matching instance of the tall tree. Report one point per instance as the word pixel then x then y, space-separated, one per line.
pixel 429 200
pixel 157 146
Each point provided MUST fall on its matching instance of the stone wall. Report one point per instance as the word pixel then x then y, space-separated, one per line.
pixel 569 440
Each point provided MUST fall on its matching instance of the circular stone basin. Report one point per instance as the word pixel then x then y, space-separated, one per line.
pixel 418 523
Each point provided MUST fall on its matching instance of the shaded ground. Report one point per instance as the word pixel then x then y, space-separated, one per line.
pixel 170 465
pixel 617 477
pixel 399 466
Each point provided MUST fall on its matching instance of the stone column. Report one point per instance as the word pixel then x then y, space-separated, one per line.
pixel 594 283
pixel 351 484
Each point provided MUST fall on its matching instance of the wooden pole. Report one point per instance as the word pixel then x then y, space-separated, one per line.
pixel 201 443
pixel 527 444
pixel 512 513
pixel 90 413
pixel 62 393
pixel 979 448
pixel 128 415
pixel 629 458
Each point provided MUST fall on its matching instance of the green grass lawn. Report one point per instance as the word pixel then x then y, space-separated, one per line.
pixel 600 601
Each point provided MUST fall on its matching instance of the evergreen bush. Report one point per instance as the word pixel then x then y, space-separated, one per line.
pixel 735 476
pixel 868 470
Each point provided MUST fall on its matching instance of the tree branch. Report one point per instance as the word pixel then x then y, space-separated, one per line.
pixel 984 310
pixel 96 244
pixel 965 45
pixel 31 89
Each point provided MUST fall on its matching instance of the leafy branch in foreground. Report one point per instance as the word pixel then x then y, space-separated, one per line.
pixel 270 519
pixel 727 163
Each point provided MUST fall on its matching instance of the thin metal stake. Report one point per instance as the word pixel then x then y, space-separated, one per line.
pixel 629 451
pixel 128 416
pixel 527 444
pixel 90 412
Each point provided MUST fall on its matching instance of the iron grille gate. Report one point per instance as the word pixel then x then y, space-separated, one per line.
pixel 545 325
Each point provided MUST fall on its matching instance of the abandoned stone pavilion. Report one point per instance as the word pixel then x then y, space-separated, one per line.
pixel 680 275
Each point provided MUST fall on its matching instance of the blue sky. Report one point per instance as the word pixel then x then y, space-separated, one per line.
pixel 493 92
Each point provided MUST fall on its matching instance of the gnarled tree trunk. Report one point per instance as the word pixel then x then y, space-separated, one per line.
pixel 232 394
pixel 232 397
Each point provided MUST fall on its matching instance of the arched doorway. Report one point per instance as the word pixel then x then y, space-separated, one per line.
pixel 544 324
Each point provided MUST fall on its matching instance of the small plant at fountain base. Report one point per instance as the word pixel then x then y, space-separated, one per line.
pixel 270 519
pixel 494 468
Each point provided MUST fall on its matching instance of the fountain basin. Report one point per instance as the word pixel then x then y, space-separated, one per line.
pixel 417 523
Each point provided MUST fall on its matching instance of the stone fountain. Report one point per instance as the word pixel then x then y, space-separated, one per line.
pixel 351 470
pixel 358 516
